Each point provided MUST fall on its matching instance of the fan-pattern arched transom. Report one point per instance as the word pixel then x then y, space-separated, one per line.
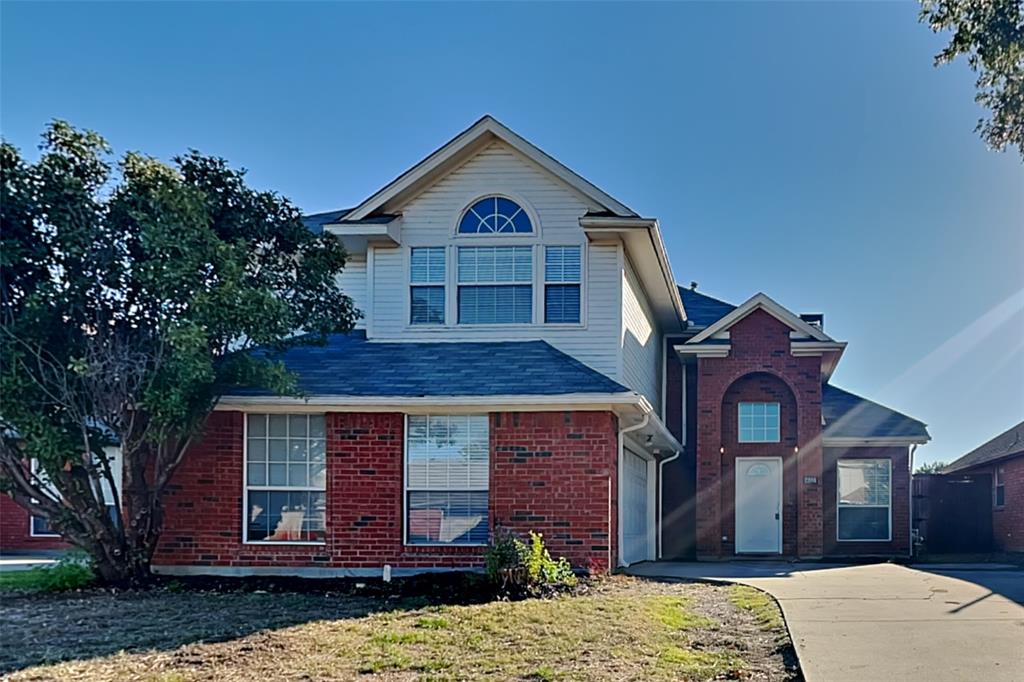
pixel 495 215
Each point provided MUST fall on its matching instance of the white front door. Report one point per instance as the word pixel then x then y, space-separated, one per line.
pixel 636 511
pixel 758 505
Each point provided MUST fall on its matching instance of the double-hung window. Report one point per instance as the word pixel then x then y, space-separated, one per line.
pixel 495 284
pixel 759 423
pixel 446 479
pixel 285 484
pixel 864 496
pixel 562 278
pixel 426 285
pixel 999 486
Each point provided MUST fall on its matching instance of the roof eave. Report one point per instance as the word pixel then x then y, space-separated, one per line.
pixel 628 229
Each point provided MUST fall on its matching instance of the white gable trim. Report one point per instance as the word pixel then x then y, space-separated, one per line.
pixel 468 139
pixel 761 301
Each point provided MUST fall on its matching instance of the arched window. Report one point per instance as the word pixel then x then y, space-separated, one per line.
pixel 495 215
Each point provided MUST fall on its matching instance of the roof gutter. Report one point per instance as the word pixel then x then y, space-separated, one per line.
pixel 615 401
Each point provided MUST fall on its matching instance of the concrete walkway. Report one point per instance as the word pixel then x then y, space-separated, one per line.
pixel 24 562
pixel 884 622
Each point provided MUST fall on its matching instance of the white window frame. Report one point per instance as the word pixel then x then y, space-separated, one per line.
pixel 442 285
pixel 998 481
pixel 406 489
pixel 524 205
pixel 532 283
pixel 888 464
pixel 542 277
pixel 246 488
pixel 33 466
pixel 739 421
pixel 114 460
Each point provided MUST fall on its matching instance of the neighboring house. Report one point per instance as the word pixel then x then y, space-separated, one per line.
pixel 526 361
pixel 24 532
pixel 1001 461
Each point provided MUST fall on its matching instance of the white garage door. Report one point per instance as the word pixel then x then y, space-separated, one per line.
pixel 636 516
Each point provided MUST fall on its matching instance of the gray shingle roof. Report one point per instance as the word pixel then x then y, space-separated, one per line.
pixel 315 222
pixel 847 415
pixel 349 365
pixel 703 310
pixel 1006 444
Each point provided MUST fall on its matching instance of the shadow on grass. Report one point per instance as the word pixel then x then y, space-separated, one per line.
pixel 48 628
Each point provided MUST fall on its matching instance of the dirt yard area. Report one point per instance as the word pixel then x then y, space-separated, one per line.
pixel 619 628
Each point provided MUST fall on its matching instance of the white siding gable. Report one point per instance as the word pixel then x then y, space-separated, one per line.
pixel 352 281
pixel 641 340
pixel 430 218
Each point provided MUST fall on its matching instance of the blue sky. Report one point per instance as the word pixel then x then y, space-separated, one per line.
pixel 807 150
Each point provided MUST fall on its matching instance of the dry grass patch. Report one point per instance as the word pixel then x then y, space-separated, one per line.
pixel 764 609
pixel 621 628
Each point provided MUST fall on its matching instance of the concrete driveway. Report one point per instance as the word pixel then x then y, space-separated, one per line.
pixel 884 622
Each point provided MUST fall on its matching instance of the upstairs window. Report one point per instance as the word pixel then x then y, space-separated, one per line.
pixel 759 423
pixel 562 273
pixel 426 285
pixel 495 215
pixel 495 285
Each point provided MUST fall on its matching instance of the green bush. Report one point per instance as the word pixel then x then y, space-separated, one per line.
pixel 72 572
pixel 519 569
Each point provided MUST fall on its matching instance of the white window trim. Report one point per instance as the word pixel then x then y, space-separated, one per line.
pixel 246 488
pixel 452 306
pixel 865 506
pixel 33 466
pixel 514 236
pixel 542 276
pixel 739 422
pixel 998 482
pixel 442 285
pixel 406 490
pixel 32 532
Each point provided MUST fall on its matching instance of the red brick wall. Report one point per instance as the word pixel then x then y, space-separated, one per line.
pixel 1007 521
pixel 759 387
pixel 572 454
pixel 554 472
pixel 760 345
pixel 14 530
pixel 900 544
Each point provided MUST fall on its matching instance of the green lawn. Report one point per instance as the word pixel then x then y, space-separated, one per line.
pixel 31 580
pixel 621 628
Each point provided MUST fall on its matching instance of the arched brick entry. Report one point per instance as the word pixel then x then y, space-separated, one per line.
pixel 760 367
pixel 768 388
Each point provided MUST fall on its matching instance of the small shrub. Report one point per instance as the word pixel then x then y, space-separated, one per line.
pixel 519 569
pixel 70 573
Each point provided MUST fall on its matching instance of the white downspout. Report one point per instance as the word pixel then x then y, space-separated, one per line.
pixel 661 498
pixel 622 457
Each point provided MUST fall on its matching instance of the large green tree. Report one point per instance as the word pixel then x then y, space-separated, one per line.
pixel 990 33
pixel 131 293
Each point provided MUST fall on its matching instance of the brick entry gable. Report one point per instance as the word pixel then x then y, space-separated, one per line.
pixel 759 366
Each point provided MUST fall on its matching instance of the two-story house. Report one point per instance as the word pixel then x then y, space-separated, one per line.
pixel 527 361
